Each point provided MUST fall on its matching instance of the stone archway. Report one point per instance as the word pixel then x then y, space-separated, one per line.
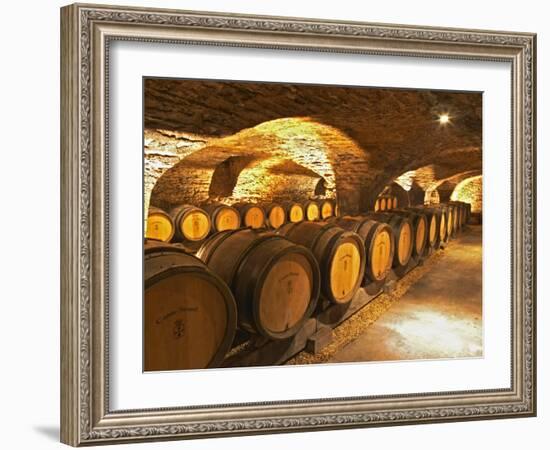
pixel 301 149
pixel 470 190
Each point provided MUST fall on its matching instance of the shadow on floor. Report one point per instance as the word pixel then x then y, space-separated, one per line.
pixel 51 432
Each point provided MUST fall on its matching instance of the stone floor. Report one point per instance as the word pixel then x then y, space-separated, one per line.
pixel 440 316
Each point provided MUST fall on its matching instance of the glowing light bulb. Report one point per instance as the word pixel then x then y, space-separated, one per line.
pixel 444 119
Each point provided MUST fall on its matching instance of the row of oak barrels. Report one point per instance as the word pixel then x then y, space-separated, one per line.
pixel 269 282
pixel 192 224
pixel 385 203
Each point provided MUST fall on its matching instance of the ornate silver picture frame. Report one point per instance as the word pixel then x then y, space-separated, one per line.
pixel 87 32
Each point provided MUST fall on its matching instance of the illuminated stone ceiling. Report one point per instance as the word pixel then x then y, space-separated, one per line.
pixel 267 140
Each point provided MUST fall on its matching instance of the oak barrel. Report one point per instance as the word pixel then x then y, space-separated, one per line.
pixel 447 220
pixel 456 213
pixel 192 225
pixel 276 283
pixel 223 217
pixel 433 217
pixel 190 315
pixel 403 237
pixel 160 225
pixel 275 215
pixel 252 215
pixel 294 211
pixel 461 208
pixel 327 209
pixel 340 254
pixel 379 245
pixel 312 211
pixel 389 203
pixel 450 221
pixel 443 225
pixel 421 230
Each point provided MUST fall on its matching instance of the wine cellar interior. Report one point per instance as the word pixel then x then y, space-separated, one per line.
pixel 297 224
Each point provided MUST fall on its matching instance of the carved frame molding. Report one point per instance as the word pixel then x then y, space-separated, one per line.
pixel 86 31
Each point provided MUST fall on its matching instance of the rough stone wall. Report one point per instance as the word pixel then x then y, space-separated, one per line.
pixel 470 191
pixel 162 150
pixel 273 180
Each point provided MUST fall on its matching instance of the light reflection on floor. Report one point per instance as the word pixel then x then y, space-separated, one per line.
pixel 439 317
pixel 436 334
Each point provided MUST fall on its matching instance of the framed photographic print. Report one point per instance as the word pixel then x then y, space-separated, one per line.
pixel 276 224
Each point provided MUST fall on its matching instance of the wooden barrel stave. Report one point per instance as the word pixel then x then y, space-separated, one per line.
pixel 275 215
pixel 192 225
pixel 420 230
pixel 389 203
pixel 433 218
pixel 312 212
pixel 290 279
pixel 327 209
pixel 247 259
pixel 223 217
pixel 252 215
pixel 462 212
pixel 294 211
pixel 446 221
pixel 340 254
pixel 402 233
pixel 189 312
pixel 378 257
pixel 160 225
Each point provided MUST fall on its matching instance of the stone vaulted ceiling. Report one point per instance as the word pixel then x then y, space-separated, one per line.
pixel 259 137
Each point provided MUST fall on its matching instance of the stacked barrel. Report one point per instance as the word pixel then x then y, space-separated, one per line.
pixel 378 241
pixel 385 203
pixel 264 268
pixel 189 311
pixel 275 282
pixel 190 225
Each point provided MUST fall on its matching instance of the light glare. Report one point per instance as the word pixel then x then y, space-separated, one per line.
pixel 444 119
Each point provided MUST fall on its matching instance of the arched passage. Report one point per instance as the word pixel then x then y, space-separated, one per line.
pixel 470 190
pixel 225 175
pixel 448 185
pixel 276 180
pixel 432 183
pixel 290 153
